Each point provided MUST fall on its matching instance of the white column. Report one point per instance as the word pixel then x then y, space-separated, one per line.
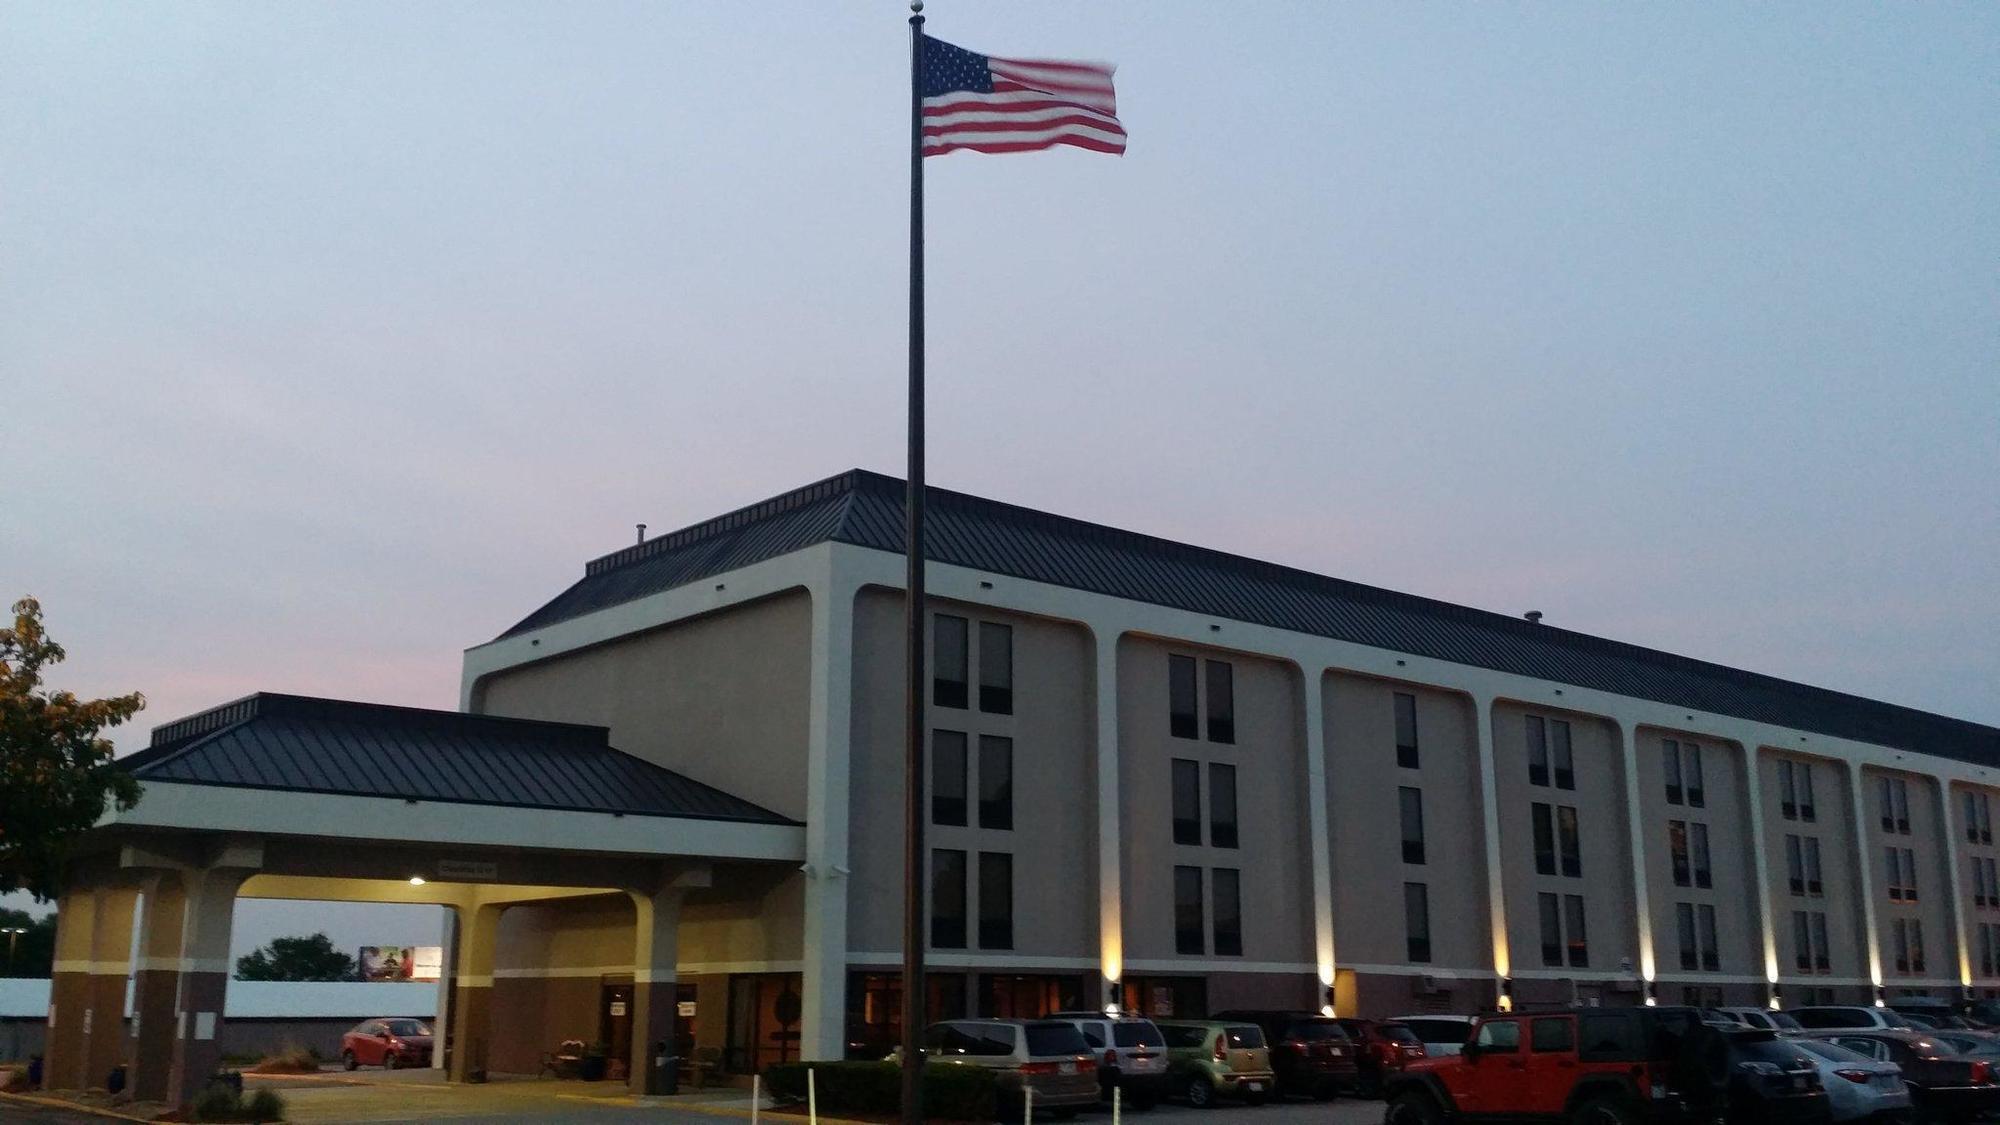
pixel 1635 825
pixel 823 1025
pixel 1951 836
pixel 1489 807
pixel 1319 822
pixel 1864 882
pixel 1753 796
pixel 1110 858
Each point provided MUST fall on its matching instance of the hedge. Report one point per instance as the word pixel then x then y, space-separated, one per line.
pixel 950 1092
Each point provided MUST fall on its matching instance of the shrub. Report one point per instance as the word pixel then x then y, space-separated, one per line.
pixel 289 1060
pixel 950 1093
pixel 264 1105
pixel 221 1103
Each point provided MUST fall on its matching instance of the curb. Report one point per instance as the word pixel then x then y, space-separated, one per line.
pixel 73 1107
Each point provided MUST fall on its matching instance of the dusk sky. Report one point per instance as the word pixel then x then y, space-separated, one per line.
pixel 334 339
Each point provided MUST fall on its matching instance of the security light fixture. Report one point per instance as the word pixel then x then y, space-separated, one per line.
pixel 416 880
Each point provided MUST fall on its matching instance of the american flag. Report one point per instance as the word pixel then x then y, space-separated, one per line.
pixel 1015 105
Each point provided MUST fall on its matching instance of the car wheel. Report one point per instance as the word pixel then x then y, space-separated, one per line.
pixel 1604 1111
pixel 1200 1092
pixel 348 1061
pixel 1413 1107
pixel 389 1060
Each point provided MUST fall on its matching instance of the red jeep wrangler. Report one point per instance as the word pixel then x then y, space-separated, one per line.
pixel 1585 1066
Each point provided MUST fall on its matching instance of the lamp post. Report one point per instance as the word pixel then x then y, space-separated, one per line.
pixel 13 939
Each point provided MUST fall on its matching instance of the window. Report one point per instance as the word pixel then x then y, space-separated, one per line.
pixel 947 899
pixel 948 661
pixel 1670 756
pixel 1989 945
pixel 1565 765
pixel 996 668
pixel 1985 882
pixel 947 777
pixel 1221 701
pixel 1822 960
pixel 1916 946
pixel 1221 805
pixel 1182 718
pixel 1406 731
pixel 1795 864
pixel 996 900
pixel 1677 848
pixel 1499 1036
pixel 1412 801
pixel 1187 911
pixel 1552 1033
pixel 1909 943
pixel 1704 876
pixel 1545 839
pixel 1697 793
pixel 996 782
pixel 1978 818
pixel 1187 801
pixel 1684 922
pixel 1813 884
pixel 1228 912
pixel 1578 944
pixel 1538 751
pixel 1552 931
pixel 1711 955
pixel 1795 789
pixel 1802 945
pixel 1806 808
pixel 1901 864
pixel 1571 844
pixel 1417 922
pixel 1895 797
pixel 1902 939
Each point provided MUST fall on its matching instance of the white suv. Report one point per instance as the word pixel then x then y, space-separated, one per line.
pixel 1132 1054
pixel 1849 1017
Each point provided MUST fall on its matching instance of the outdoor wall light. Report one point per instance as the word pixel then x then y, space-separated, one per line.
pixel 1652 994
pixel 1506 994
pixel 1777 1001
pixel 1881 997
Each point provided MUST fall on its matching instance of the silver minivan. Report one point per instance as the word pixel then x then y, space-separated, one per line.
pixel 1132 1055
pixel 1049 1057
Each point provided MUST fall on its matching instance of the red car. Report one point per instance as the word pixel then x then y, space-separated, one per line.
pixel 386 1042
pixel 1382 1050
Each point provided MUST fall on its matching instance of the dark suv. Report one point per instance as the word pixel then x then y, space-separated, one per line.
pixel 1608 1066
pixel 1312 1054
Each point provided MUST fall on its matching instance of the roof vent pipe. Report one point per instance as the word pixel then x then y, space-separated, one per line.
pixel 1534 616
pixel 642 533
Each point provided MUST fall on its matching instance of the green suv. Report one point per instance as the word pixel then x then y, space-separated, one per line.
pixel 1207 1059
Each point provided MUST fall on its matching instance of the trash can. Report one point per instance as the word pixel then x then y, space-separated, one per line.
pixel 663 1076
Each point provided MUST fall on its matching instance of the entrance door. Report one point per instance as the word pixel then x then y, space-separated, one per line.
pixel 614 1023
pixel 684 1011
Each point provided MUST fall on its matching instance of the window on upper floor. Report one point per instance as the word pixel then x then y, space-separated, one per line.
pixel 1900 865
pixel 1691 776
pixel 1222 805
pixel 1559 752
pixel 1550 911
pixel 1221 700
pixel 1550 758
pixel 1813 884
pixel 1704 875
pixel 1189 922
pixel 1187 801
pixel 996 900
pixel 948 661
pixel 1569 841
pixel 1183 714
pixel 1809 951
pixel 1576 940
pixel 1677 853
pixel 1670 759
pixel 996 782
pixel 947 899
pixel 1795 790
pixel 1406 731
pixel 1227 885
pixel 996 668
pixel 1411 803
pixel 1895 797
pixel 1416 922
pixel 948 777
pixel 1978 818
pixel 1543 818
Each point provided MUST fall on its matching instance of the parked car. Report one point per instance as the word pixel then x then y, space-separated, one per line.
pixel 1049 1057
pixel 1983 1013
pixel 1597 1066
pixel 1849 1016
pixel 1764 1018
pixel 1774 1080
pixel 386 1042
pixel 1858 1087
pixel 1971 1044
pixel 1441 1035
pixel 1210 1059
pixel 1928 1011
pixel 1132 1055
pixel 1382 1048
pixel 1312 1054
pixel 1944 1085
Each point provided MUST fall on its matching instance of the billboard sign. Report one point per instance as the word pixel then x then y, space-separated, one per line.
pixel 401 962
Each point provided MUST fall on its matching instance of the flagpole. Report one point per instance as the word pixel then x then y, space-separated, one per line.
pixel 913 719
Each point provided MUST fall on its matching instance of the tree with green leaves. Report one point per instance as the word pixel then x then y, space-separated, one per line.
pixel 296 958
pixel 31 952
pixel 57 775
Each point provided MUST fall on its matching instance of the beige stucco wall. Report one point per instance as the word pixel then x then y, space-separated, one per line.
pixel 1927 839
pixel 1739 934
pixel 1054 838
pixel 550 962
pixel 1362 778
pixel 1968 850
pixel 1269 756
pixel 1833 824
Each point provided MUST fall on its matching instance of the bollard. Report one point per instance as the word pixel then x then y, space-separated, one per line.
pixel 812 1097
pixel 756 1096
pixel 1117 1099
pixel 1027 1104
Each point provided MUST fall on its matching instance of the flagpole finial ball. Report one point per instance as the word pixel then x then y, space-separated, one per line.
pixel 916 5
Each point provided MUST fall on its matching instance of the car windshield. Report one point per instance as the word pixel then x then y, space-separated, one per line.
pixel 407 1027
pixel 1397 1033
pixel 1832 1052
pixel 1245 1036
pixel 1973 1046
pixel 1137 1033
pixel 1783 1020
pixel 1315 1031
pixel 1055 1039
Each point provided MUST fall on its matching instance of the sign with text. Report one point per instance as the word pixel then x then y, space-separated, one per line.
pixel 401 962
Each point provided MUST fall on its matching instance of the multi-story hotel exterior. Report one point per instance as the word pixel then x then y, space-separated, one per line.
pixel 1179 780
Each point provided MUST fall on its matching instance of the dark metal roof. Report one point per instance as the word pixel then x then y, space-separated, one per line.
pixel 866 509
pixel 332 746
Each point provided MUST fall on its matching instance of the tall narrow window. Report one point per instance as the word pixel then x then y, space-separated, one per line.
pixel 996 900
pixel 1887 790
pixel 1570 841
pixel 1697 793
pixel 1971 816
pixel 1704 875
pixel 1909 875
pixel 1677 851
pixel 948 661
pixel 1228 912
pixel 1183 720
pixel 1417 922
pixel 947 777
pixel 1813 885
pixel 1573 929
pixel 996 782
pixel 1670 758
pixel 1822 960
pixel 1985 819
pixel 1788 789
pixel 1552 940
pixel 1893 868
pixel 1806 808
pixel 1801 942
pixel 996 668
pixel 1902 936
pixel 1221 701
pixel 1545 838
pixel 947 899
pixel 1221 805
pixel 1916 946
pixel 1560 751
pixel 1711 955
pixel 1406 731
pixel 1411 801
pixel 1795 864
pixel 1902 806
pixel 1684 923
pixel 1538 750
pixel 1188 921
pixel 1187 801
